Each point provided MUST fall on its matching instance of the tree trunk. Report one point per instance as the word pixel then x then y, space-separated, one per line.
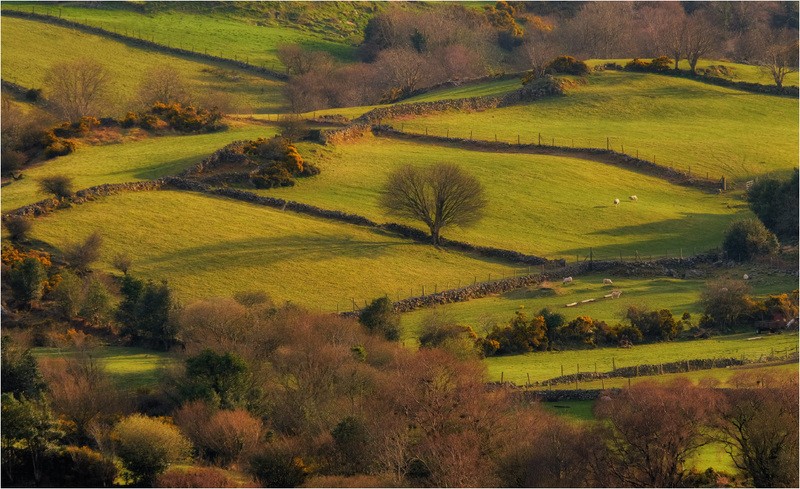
pixel 693 65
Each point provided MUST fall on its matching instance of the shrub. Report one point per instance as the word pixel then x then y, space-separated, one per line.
pixel 378 317
pixel 18 228
pixel 145 312
pixel 73 466
pixel 220 379
pixel 775 202
pixel 748 239
pixel 195 477
pixel 223 437
pixel 122 262
pixel 567 65
pixel 277 466
pixel 33 94
pixel 97 302
pixel 637 64
pixel 438 331
pixel 351 438
pixel 81 255
pixel 654 325
pixel 661 64
pixel 60 186
pixel 187 118
pixel 582 330
pixel 552 321
pixel 147 446
pixel 27 280
pixel 726 304
pixel 19 371
pixel 13 161
pixel 68 295
pixel 521 335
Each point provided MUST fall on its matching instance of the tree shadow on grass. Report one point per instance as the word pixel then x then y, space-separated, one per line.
pixel 266 251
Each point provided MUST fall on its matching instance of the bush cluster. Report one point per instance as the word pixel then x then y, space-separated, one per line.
pixel 567 65
pixel 656 65
pixel 278 162
pixel 186 119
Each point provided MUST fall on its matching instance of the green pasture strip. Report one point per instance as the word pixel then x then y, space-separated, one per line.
pixel 128 367
pixel 741 72
pixel 538 204
pixel 467 90
pixel 677 295
pixel 218 34
pixel 547 365
pixel 206 247
pixel 27 66
pixel 676 122
pixel 145 159
pixel 576 410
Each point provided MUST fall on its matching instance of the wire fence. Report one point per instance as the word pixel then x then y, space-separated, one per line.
pixel 613 372
pixel 143 35
pixel 609 143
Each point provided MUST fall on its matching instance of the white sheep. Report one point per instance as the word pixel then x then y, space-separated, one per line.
pixel 633 198
pixel 746 277
pixel 567 280
pixel 615 294
pixel 607 281
pixel 616 201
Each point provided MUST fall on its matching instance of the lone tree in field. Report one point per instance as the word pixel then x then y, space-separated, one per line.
pixel 439 195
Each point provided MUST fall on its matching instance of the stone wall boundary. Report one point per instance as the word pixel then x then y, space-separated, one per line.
pixel 143 43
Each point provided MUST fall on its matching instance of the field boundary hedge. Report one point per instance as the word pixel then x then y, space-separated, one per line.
pixel 752 87
pixel 143 43
pixel 608 156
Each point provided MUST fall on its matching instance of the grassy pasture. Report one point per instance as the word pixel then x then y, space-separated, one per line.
pixel 677 295
pixel 206 247
pixel 545 205
pixel 128 367
pixel 467 90
pixel 546 365
pixel 741 72
pixel 145 159
pixel 27 66
pixel 219 34
pixel 678 122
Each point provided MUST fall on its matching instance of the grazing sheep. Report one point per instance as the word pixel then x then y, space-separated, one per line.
pixel 567 280
pixel 607 281
pixel 633 198
pixel 616 201
pixel 615 294
pixel 746 277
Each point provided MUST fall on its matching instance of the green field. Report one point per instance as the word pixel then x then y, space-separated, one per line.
pixel 145 159
pixel 128 367
pixel 676 122
pixel 677 295
pixel 208 247
pixel 219 34
pixel 28 67
pixel 547 365
pixel 544 205
pixel 467 90
pixel 741 72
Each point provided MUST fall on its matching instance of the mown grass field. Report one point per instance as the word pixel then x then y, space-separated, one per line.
pixel 130 161
pixel 219 34
pixel 128 367
pixel 127 65
pixel 207 247
pixel 676 122
pixel 741 72
pixel 544 205
pixel 677 295
pixel 547 365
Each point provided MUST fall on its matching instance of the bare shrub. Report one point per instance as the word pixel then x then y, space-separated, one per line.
pixel 78 88
pixel 81 255
pixel 59 185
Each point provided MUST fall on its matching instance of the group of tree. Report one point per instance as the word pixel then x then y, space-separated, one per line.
pixel 290 397
pixel 405 50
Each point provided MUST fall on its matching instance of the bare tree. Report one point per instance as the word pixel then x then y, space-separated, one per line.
pixel 665 27
pixel 778 56
pixel 701 38
pixel 402 70
pixel 759 428
pixel 653 430
pixel 165 84
pixel 600 30
pixel 58 185
pixel 538 49
pixel 299 61
pixel 439 195
pixel 77 88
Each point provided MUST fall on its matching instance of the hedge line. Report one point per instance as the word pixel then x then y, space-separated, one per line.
pixel 143 43
pixel 613 157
